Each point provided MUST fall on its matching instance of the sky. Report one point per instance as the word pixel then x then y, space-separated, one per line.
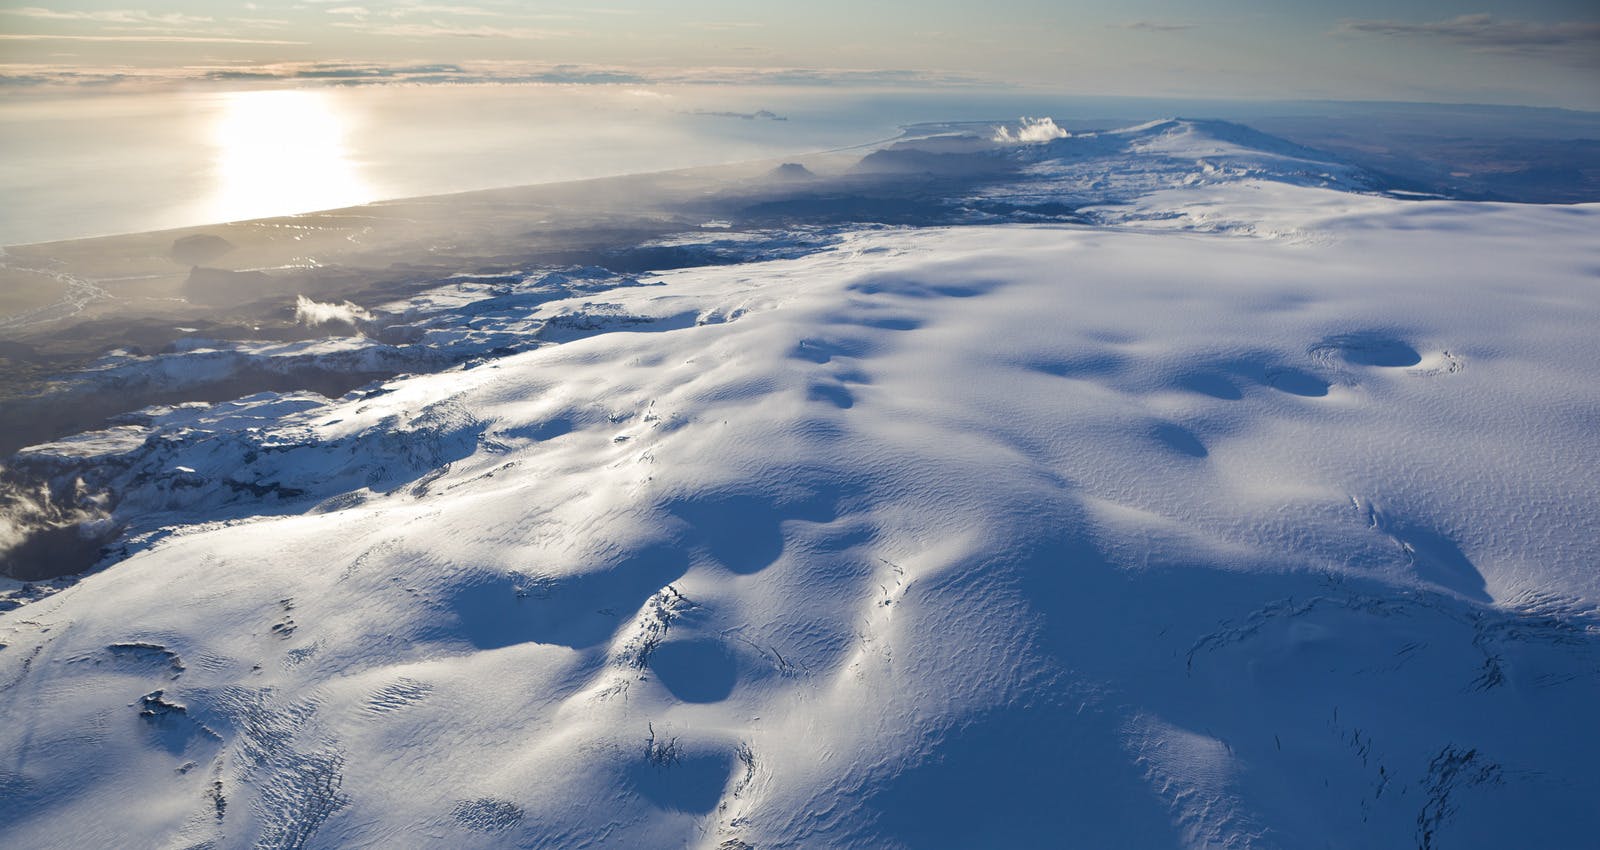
pixel 1533 52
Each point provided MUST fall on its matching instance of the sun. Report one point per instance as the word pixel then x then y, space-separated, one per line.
pixel 282 152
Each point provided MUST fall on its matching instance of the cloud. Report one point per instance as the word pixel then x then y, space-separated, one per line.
pixel 1155 26
pixel 149 39
pixel 309 313
pixel 362 12
pixel 135 25
pixel 1031 131
pixel 436 29
pixel 580 75
pixel 758 115
pixel 347 72
pixel 1486 32
pixel 471 11
pixel 720 26
pixel 39 524
pixel 109 16
pixel 818 77
pixel 464 73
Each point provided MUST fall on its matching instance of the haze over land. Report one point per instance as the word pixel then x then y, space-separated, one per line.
pixel 938 463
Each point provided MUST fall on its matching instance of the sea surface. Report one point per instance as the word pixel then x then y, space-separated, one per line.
pixel 79 165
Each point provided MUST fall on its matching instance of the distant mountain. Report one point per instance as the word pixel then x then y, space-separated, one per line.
pixel 791 171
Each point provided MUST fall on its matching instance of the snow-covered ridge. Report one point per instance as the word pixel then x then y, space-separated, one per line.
pixel 941 537
pixel 1120 166
pixel 126 481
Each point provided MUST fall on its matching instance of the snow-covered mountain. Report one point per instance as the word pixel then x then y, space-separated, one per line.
pixel 1039 166
pixel 1246 511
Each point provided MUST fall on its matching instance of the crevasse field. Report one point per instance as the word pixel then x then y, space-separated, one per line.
pixel 1257 509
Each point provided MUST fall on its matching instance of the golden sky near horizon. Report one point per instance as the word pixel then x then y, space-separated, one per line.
pixel 1541 52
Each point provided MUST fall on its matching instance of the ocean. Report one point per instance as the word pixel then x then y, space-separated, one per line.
pixel 93 164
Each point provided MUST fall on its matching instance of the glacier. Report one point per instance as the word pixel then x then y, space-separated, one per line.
pixel 1167 487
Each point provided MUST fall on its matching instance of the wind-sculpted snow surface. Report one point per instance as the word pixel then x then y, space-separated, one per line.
pixel 1029 536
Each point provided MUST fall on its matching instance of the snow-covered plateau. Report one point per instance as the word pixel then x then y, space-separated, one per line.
pixel 1255 510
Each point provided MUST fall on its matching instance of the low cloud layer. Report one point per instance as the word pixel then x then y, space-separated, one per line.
pixel 49 528
pixel 1030 131
pixel 1579 39
pixel 1156 26
pixel 109 16
pixel 466 73
pixel 429 30
pixel 137 38
pixel 313 313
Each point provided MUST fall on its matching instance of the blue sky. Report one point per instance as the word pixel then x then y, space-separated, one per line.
pixel 1543 52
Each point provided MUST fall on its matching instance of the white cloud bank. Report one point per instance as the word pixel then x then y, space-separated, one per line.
pixel 311 313
pixel 1031 131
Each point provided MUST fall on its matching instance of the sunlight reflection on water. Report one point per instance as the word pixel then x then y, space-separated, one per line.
pixel 282 152
pixel 85 164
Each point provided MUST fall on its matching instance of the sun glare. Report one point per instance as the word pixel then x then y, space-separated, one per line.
pixel 282 152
